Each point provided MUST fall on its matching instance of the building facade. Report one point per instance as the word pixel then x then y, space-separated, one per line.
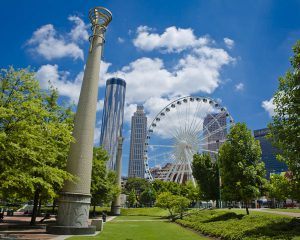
pixel 138 136
pixel 214 127
pixel 269 153
pixel 112 118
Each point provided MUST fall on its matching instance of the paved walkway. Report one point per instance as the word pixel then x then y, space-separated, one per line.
pixel 291 214
pixel 17 227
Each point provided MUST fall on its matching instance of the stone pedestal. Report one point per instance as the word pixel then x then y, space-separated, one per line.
pixel 73 215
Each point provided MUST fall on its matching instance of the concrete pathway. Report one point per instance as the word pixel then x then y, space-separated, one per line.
pixel 291 214
pixel 17 227
pixel 63 237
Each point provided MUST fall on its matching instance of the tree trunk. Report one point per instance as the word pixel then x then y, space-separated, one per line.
pixel 53 206
pixel 94 210
pixel 35 205
pixel 39 207
pixel 247 210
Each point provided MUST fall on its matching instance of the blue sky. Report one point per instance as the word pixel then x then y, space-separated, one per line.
pixel 233 51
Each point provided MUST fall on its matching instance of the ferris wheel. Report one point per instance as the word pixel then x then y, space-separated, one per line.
pixel 184 127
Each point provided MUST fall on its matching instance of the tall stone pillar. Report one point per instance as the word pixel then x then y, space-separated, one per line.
pixel 116 204
pixel 74 202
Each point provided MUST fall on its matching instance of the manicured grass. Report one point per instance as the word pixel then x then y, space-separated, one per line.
pixel 142 230
pixel 294 210
pixel 233 224
pixel 144 212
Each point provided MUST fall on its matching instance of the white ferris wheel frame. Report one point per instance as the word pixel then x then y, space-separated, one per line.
pixel 185 167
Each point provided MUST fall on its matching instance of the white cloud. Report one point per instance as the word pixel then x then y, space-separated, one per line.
pixel 100 105
pixel 172 40
pixel 269 106
pixel 79 32
pixel 198 71
pixel 229 43
pixel 239 87
pixel 66 87
pixel 58 79
pixel 49 44
pixel 121 40
pixel 129 110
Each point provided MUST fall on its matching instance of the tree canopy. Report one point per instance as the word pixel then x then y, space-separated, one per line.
pixel 285 128
pixel 35 134
pixel 242 171
pixel 206 173
pixel 103 186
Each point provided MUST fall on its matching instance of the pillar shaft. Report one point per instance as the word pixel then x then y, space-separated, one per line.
pixel 74 202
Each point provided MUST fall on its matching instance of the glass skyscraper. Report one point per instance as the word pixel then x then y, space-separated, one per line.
pixel 138 136
pixel 269 153
pixel 214 127
pixel 112 118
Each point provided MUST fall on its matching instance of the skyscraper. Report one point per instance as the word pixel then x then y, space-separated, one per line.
pixel 214 127
pixel 112 118
pixel 269 153
pixel 137 143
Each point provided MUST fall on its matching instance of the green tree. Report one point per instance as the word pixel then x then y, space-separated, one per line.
pixel 167 186
pixel 206 173
pixel 285 128
pixel 173 203
pixel 132 198
pixel 35 134
pixel 148 197
pixel 139 185
pixel 279 188
pixel 190 191
pixel 242 172
pixel 103 187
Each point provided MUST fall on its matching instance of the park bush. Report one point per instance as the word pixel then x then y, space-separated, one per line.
pixel 234 226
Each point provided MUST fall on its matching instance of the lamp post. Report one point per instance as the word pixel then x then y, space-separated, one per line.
pixel 75 198
pixel 116 203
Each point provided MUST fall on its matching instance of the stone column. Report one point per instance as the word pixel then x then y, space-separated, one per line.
pixel 74 202
pixel 116 204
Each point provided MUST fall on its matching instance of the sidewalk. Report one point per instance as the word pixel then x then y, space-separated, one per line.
pixel 17 227
pixel 291 214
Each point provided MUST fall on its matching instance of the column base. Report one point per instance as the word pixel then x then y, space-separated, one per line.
pixel 70 230
pixel 73 215
pixel 116 210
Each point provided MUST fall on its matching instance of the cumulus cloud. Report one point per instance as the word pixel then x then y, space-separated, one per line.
pixel 197 71
pixel 59 79
pixel 172 40
pixel 229 43
pixel 67 87
pixel 239 87
pixel 269 106
pixel 79 32
pixel 100 105
pixel 48 43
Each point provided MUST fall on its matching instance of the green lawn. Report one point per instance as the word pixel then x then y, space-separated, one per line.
pixel 144 212
pixel 234 224
pixel 295 210
pixel 138 228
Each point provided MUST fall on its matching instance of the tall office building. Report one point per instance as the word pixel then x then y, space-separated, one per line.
pixel 138 136
pixel 214 127
pixel 112 118
pixel 269 153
